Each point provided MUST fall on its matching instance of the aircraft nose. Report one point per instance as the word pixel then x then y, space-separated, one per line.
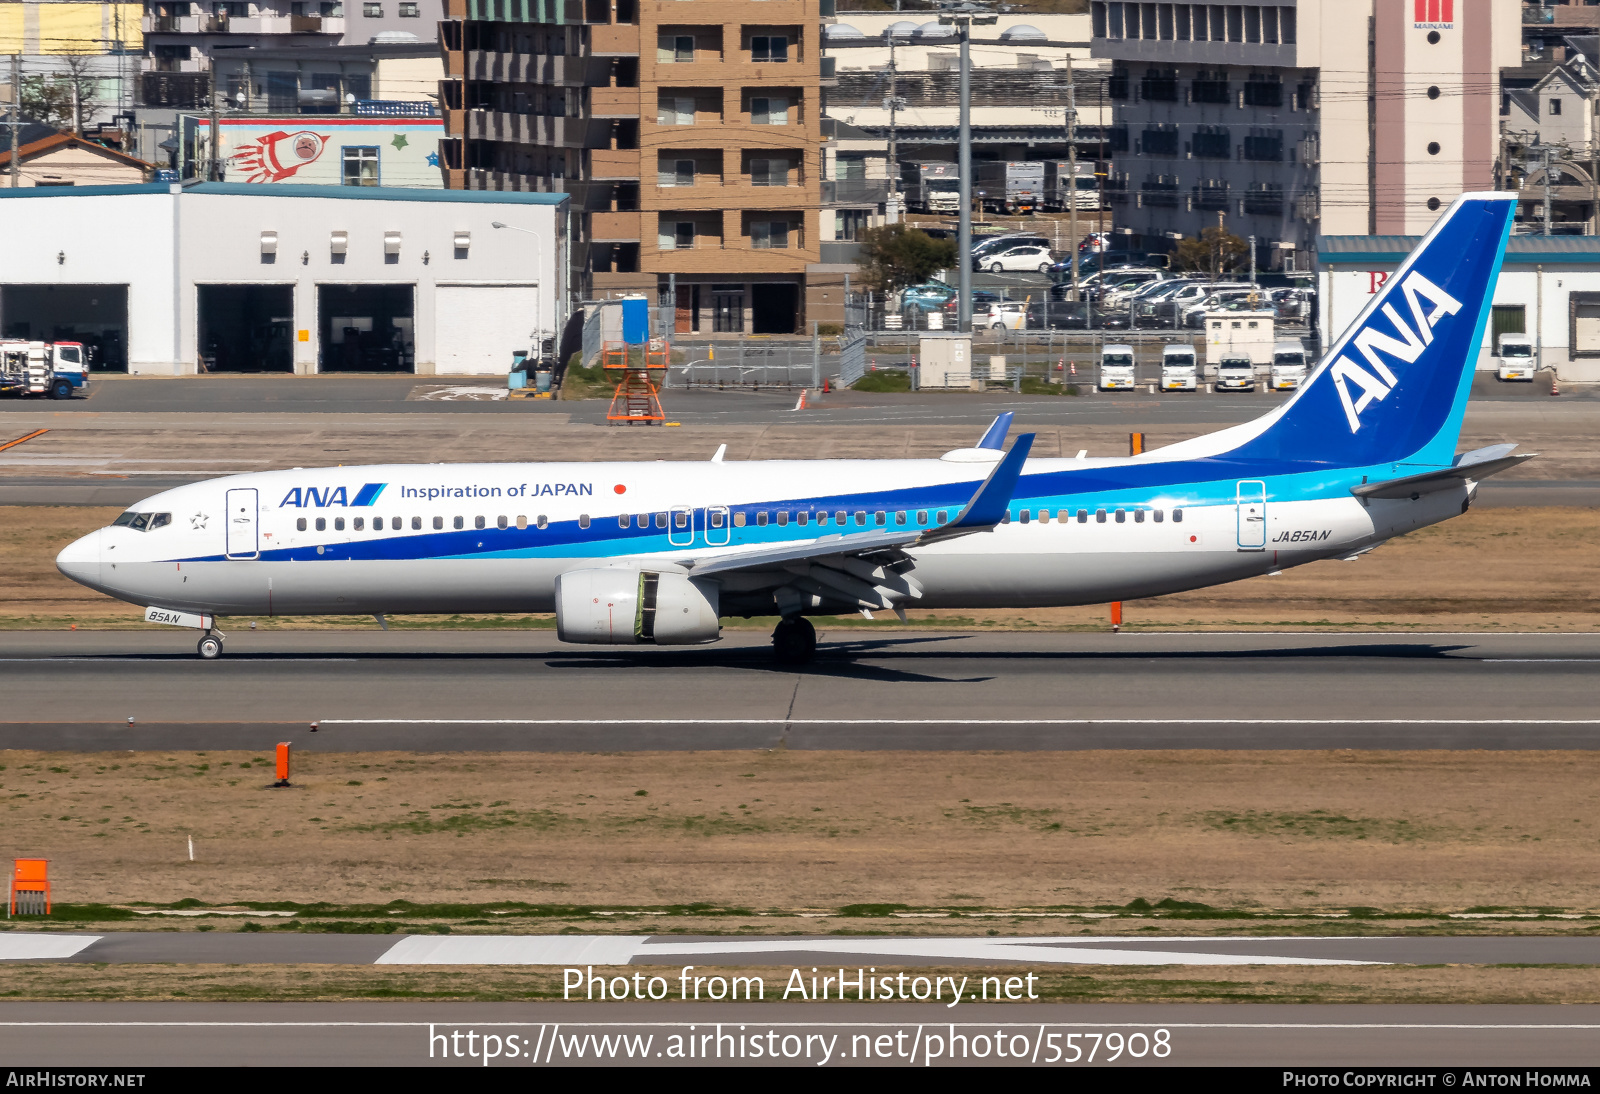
pixel 80 559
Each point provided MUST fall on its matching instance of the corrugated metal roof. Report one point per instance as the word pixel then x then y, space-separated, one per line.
pixel 294 190
pixel 1520 250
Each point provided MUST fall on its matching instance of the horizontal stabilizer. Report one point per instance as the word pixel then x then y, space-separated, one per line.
pixel 1479 464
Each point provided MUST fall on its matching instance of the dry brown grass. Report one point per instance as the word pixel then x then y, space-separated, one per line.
pixel 1079 984
pixel 1302 831
pixel 1492 569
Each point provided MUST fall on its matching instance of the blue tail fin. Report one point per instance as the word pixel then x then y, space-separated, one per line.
pixel 1393 388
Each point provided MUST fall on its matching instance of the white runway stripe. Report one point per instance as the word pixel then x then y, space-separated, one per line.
pixel 514 950
pixel 574 950
pixel 959 721
pixel 41 947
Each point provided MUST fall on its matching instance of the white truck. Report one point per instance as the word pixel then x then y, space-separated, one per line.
pixel 1062 191
pixel 1009 187
pixel 1116 367
pixel 1178 371
pixel 931 187
pixel 1514 359
pixel 56 369
pixel 1236 372
pixel 1248 334
pixel 1288 366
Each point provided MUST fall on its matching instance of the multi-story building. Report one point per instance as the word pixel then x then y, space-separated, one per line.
pixel 1020 68
pixel 1294 118
pixel 90 51
pixel 688 134
pixel 183 38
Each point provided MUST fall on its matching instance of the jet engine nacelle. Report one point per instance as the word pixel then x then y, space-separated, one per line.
pixel 621 607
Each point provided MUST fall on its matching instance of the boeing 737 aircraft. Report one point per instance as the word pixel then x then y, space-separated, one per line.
pixel 627 553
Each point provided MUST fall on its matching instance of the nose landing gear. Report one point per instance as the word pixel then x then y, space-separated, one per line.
pixel 794 641
pixel 210 647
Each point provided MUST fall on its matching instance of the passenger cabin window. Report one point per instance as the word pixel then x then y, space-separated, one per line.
pixel 1083 516
pixel 377 524
pixel 1138 516
pixel 542 521
pixel 338 524
pixel 478 522
pixel 459 523
pixel 438 523
pixel 300 525
pixel 359 523
pixel 783 518
pixel 1156 513
pixel 761 519
pixel 738 520
pixel 416 524
pixel 899 518
pixel 583 520
pixel 802 518
pixel 661 520
pixel 500 522
pixel 1177 516
pixel 624 520
pixel 522 521
pixel 680 519
pixel 717 516
pixel 322 524
pixel 1099 516
pixel 922 516
pixel 1122 516
pixel 943 517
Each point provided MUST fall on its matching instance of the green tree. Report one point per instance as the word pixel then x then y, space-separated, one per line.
pixel 1216 252
pixel 895 256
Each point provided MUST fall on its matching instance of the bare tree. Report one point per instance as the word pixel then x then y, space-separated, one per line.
pixel 58 100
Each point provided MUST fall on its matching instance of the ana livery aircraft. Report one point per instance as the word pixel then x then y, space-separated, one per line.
pixel 629 553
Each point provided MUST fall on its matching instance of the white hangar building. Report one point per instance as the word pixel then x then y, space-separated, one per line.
pixel 169 280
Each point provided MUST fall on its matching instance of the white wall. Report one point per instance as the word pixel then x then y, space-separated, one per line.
pixel 133 239
pixel 1344 292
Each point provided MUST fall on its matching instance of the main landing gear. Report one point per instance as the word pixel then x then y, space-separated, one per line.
pixel 210 647
pixel 794 641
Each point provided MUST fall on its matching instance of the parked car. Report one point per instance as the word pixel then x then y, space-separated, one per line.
pixel 1016 258
pixel 1247 299
pixel 926 296
pixel 1100 285
pixel 1010 239
pixel 1003 315
pixel 1071 315
pixel 981 299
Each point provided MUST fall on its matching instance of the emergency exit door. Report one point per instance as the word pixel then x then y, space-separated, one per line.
pixel 1251 509
pixel 242 540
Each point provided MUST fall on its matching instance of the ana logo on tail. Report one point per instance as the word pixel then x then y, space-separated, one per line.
pixel 1405 349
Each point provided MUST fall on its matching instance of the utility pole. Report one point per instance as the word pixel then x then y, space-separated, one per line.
pixel 1594 160
pixel 1252 260
pixel 1072 167
pixel 963 21
pixel 213 163
pixel 1547 186
pixel 894 155
pixel 964 169
pixel 16 118
pixel 1216 252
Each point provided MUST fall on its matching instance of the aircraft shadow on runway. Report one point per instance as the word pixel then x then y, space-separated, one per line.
pixel 839 660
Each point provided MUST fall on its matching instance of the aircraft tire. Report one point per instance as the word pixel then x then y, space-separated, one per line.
pixel 794 641
pixel 209 648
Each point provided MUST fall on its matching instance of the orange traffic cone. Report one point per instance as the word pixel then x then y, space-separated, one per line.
pixel 1555 389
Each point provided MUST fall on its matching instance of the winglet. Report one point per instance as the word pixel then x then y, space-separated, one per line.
pixel 996 435
pixel 989 504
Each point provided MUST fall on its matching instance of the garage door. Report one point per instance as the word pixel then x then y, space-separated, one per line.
pixel 477 327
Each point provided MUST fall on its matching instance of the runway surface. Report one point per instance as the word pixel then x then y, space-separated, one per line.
pixel 397 1034
pixel 192 948
pixel 868 689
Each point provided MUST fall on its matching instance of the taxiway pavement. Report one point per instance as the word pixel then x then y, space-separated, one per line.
pixel 868 689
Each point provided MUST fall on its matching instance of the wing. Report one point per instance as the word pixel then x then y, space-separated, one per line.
pixel 868 569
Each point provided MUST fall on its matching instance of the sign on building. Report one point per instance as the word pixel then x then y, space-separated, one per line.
pixel 326 150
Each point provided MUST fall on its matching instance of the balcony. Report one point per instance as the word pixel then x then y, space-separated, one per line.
pixel 615 227
pixel 305 24
pixel 855 191
pixel 614 163
pixel 614 102
pixel 614 40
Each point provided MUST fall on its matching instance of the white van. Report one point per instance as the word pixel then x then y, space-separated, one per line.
pixel 1236 372
pixel 1178 368
pixel 1116 367
pixel 1288 366
pixel 1515 358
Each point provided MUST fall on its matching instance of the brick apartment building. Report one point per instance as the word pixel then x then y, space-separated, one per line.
pixel 688 133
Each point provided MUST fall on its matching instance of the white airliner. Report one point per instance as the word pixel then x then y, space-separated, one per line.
pixel 657 553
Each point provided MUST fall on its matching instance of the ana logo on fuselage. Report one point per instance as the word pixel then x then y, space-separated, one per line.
pixel 1375 385
pixel 312 497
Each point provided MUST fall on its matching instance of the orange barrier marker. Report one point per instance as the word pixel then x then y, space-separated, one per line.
pixel 284 748
pixel 1116 616
pixel 30 887
pixel 1135 444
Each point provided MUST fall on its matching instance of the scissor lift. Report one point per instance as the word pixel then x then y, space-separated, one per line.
pixel 637 399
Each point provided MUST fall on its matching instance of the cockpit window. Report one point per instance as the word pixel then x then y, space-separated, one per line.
pixel 142 522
